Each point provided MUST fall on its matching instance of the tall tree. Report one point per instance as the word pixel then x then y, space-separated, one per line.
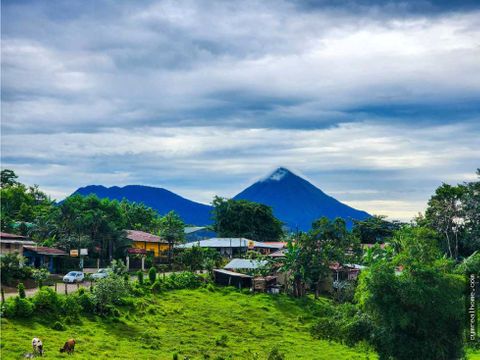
pixel 375 229
pixel 8 178
pixel 171 229
pixel 242 218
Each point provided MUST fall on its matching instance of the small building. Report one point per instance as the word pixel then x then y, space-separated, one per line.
pixel 245 264
pixel 233 246
pixel 11 243
pixel 197 233
pixel 148 242
pixel 230 278
pixel 41 256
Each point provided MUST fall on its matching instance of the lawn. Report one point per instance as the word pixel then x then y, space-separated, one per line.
pixel 198 324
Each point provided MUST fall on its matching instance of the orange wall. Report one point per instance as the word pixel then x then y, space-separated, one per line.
pixel 157 248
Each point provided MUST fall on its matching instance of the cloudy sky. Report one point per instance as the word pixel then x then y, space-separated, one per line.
pixel 375 102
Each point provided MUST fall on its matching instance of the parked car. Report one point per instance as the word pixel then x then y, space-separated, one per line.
pixel 73 277
pixel 101 274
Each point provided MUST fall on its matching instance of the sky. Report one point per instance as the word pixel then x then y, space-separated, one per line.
pixel 375 102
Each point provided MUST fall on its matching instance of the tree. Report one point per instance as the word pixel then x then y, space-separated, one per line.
pixel 374 229
pixel 12 268
pixel 308 259
pixel 444 215
pixel 242 218
pixel 8 178
pixel 418 314
pixel 171 229
pixel 416 244
pixel 471 216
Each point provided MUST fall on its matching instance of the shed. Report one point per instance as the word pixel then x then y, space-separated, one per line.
pixel 230 278
pixel 245 264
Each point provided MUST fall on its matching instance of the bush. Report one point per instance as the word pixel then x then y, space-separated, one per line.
pixel 21 290
pixel 118 267
pixel 85 300
pixel 12 268
pixel 345 292
pixel 157 286
pixel 71 306
pixel 47 300
pixel 58 326
pixel 184 280
pixel 40 275
pixel 108 291
pixel 152 275
pixel 17 307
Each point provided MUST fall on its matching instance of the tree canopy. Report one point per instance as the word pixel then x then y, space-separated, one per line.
pixel 242 218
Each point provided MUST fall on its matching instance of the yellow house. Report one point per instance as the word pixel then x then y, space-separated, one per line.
pixel 148 242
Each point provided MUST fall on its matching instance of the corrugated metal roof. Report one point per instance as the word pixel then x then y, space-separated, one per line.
pixel 12 236
pixel 229 243
pixel 245 264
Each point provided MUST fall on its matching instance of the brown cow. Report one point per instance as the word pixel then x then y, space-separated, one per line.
pixel 69 346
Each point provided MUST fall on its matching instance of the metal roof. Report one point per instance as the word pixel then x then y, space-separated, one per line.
pixel 142 236
pixel 232 273
pixel 245 264
pixel 42 250
pixel 191 229
pixel 229 243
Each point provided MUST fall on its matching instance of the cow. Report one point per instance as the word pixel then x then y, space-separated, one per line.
pixel 37 346
pixel 68 347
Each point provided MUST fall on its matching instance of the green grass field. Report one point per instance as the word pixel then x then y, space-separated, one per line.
pixel 190 323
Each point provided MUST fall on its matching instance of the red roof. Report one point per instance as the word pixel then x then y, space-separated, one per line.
pixel 42 250
pixel 12 236
pixel 136 235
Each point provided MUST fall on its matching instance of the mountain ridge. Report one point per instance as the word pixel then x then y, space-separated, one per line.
pixel 295 201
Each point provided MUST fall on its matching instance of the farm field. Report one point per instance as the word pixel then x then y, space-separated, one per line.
pixel 196 324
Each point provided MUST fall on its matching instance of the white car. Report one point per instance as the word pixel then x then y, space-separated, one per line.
pixel 101 274
pixel 73 277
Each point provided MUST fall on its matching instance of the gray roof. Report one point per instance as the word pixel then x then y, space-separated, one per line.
pixel 191 229
pixel 228 243
pixel 245 264
pixel 232 273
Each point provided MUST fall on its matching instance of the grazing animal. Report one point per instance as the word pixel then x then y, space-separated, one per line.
pixel 69 346
pixel 37 346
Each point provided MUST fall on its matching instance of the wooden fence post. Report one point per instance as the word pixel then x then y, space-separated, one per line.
pixel 3 295
pixel 78 286
pixel 66 291
pixel 55 286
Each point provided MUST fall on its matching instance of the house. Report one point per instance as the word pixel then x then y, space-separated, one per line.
pixel 233 246
pixel 41 256
pixel 196 233
pixel 147 243
pixel 11 243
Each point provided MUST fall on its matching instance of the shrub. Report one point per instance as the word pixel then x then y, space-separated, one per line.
pixel 71 306
pixel 175 356
pixel 47 300
pixel 152 275
pixel 140 277
pixel 58 326
pixel 17 307
pixel 118 267
pixel 108 291
pixel 40 275
pixel 24 307
pixel 275 354
pixel 12 268
pixel 85 300
pixel 184 280
pixel 21 290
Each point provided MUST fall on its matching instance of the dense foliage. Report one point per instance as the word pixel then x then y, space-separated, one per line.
pixel 242 218
pixel 12 268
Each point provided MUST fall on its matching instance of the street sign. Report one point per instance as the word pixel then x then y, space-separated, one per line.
pixel 74 253
pixel 83 251
pixel 136 251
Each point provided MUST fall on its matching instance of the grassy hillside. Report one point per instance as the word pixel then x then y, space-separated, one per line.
pixel 198 324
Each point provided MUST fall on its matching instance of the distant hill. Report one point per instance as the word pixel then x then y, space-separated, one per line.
pixel 159 199
pixel 296 201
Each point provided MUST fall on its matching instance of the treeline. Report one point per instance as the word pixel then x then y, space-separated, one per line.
pixel 80 221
